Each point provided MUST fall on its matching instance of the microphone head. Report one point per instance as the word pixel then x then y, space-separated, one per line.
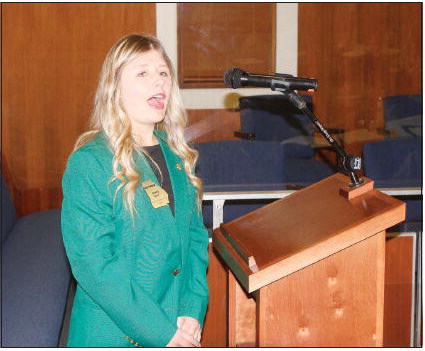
pixel 232 77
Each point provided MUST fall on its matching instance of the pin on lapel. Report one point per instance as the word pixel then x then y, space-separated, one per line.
pixel 178 166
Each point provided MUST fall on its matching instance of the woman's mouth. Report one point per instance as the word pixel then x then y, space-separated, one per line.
pixel 157 101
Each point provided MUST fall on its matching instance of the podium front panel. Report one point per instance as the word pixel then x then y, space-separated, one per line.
pixel 336 302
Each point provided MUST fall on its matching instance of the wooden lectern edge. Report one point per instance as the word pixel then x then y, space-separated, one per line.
pixel 240 248
pixel 232 258
pixel 400 204
pixel 326 248
pixel 253 281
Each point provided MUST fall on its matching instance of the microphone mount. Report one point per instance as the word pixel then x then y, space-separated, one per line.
pixel 350 163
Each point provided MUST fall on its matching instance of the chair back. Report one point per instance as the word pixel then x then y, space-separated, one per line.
pixel 403 115
pixel 35 280
pixel 240 165
pixel 8 212
pixel 228 165
pixel 397 163
pixel 394 162
pixel 275 118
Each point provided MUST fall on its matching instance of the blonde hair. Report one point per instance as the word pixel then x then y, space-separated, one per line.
pixel 109 117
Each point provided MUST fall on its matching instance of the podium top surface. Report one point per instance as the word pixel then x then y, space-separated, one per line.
pixel 307 218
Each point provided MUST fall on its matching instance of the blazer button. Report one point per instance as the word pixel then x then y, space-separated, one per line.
pixel 176 271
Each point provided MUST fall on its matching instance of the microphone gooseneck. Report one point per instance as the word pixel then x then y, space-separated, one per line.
pixel 287 84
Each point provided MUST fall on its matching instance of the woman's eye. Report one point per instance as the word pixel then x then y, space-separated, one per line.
pixel 142 74
pixel 164 74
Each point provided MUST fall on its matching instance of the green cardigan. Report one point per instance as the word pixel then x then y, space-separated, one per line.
pixel 134 280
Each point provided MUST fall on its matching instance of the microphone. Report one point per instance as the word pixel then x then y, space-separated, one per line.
pixel 237 78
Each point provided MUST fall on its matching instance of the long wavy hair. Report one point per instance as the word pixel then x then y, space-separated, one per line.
pixel 109 116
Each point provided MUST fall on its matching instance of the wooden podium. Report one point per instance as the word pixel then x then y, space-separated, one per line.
pixel 308 270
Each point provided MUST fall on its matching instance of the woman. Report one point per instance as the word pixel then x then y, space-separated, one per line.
pixel 131 219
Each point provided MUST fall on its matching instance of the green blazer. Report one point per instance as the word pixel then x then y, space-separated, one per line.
pixel 134 280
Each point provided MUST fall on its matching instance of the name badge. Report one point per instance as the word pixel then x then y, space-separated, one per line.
pixel 157 195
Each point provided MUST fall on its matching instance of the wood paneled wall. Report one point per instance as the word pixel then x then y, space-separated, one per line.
pixel 51 58
pixel 206 49
pixel 359 52
pixel 209 125
pixel 52 54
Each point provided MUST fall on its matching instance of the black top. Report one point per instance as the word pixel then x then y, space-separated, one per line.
pixel 155 152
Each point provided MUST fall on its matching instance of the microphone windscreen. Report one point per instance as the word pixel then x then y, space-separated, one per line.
pixel 232 77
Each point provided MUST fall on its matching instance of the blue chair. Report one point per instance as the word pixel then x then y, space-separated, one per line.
pixel 35 277
pixel 403 115
pixel 275 118
pixel 240 165
pixel 393 163
pixel 8 212
pixel 234 165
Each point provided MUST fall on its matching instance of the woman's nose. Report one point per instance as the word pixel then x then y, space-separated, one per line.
pixel 159 81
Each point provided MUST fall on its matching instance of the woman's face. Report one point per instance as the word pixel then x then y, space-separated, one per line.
pixel 145 90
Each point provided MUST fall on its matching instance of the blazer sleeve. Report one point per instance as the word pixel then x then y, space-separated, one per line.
pixel 96 261
pixel 194 300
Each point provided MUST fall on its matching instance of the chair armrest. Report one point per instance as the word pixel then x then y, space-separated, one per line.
pixel 244 135
pixel 387 133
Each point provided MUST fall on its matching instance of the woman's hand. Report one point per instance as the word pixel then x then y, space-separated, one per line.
pixel 191 326
pixel 183 339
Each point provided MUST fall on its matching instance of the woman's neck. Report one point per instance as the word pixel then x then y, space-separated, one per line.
pixel 145 137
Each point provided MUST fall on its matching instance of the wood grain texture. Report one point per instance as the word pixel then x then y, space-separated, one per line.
pixel 215 329
pixel 398 291
pixel 333 303
pixel 324 248
pixel 212 37
pixel 359 52
pixel 38 199
pixel 242 315
pixel 305 227
pixel 350 192
pixel 210 125
pixel 380 288
pixel 231 257
pixel 51 58
pixel 7 177
pixel 397 302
